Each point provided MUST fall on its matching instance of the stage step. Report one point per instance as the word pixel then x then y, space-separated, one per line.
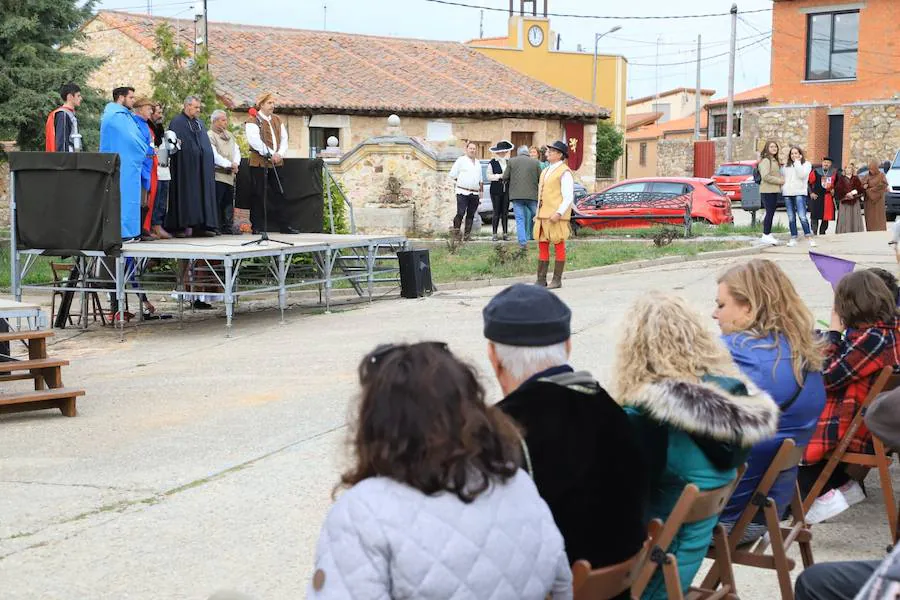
pixel 61 398
pixel 25 335
pixel 27 365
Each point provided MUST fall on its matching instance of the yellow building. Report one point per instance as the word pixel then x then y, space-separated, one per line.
pixel 530 48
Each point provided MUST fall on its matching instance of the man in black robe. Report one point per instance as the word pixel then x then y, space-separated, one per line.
pixel 192 201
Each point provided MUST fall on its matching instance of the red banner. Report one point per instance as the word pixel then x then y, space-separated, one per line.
pixel 575 140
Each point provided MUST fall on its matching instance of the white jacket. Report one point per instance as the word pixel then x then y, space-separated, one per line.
pixel 383 539
pixel 796 179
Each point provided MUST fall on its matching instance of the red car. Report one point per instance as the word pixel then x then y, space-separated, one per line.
pixel 657 198
pixel 730 176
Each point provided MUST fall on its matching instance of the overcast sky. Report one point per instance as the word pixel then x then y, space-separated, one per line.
pixel 638 40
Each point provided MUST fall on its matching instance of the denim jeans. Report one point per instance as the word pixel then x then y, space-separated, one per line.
pixel 524 210
pixel 796 206
pixel 161 203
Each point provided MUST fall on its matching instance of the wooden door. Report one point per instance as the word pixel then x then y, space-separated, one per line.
pixel 521 138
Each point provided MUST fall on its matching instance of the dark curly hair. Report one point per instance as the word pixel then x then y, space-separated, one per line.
pixel 423 421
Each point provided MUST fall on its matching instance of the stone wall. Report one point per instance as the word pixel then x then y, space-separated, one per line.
pixel 786 125
pixel 675 158
pixel 126 61
pixel 873 132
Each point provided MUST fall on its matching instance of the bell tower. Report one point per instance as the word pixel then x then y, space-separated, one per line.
pixel 522 4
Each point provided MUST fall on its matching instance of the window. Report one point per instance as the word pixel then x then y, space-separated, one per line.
pixel 318 139
pixel 734 171
pixel 720 125
pixel 643 157
pixel 662 107
pixel 832 45
pixel 668 187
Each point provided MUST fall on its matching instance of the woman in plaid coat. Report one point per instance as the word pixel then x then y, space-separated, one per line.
pixel 866 311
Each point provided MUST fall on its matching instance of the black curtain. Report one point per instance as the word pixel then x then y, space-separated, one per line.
pixel 67 202
pixel 301 179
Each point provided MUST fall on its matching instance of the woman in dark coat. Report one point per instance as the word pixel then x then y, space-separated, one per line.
pixel 875 185
pixel 849 192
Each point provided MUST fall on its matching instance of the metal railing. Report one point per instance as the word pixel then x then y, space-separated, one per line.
pixel 647 206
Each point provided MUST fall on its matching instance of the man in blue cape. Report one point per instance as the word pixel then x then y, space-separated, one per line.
pixel 119 134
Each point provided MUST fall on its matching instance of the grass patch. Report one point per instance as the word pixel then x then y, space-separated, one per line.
pixel 483 261
pixel 697 230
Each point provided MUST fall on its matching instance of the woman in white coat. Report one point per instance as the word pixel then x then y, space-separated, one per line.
pixel 437 506
pixel 795 191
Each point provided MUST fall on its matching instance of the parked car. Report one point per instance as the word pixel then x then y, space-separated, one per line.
pixel 709 203
pixel 486 207
pixel 892 201
pixel 729 177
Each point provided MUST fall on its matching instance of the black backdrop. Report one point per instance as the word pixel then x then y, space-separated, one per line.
pixel 67 201
pixel 301 179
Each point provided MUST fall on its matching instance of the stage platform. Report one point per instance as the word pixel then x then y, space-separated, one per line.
pixel 225 266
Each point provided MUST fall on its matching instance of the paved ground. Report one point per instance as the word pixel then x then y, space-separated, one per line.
pixel 198 463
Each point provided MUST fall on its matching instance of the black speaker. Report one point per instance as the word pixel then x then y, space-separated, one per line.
pixel 415 273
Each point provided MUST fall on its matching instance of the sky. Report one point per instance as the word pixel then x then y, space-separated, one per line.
pixel 674 41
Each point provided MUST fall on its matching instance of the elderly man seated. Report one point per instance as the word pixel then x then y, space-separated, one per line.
pixel 579 444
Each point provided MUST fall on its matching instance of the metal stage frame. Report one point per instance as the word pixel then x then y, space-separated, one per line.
pixel 336 257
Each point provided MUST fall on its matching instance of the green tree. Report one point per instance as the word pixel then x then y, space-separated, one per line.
pixel 33 66
pixel 181 75
pixel 609 147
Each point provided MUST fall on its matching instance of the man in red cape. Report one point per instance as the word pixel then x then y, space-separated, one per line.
pixel 61 130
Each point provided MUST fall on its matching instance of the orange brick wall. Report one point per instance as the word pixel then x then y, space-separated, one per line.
pixel 877 76
pixel 817 142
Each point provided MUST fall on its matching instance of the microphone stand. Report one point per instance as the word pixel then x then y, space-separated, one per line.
pixel 264 234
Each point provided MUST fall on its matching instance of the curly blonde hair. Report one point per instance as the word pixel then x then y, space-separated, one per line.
pixel 665 339
pixel 776 309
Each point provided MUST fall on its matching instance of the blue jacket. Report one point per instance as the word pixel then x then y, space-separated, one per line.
pixel 695 433
pixel 147 165
pixel 769 366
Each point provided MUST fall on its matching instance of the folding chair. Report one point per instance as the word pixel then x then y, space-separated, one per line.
pixel 780 538
pixel 606 582
pixel 880 460
pixel 692 506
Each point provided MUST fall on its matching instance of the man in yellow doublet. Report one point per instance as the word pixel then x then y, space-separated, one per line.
pixel 556 195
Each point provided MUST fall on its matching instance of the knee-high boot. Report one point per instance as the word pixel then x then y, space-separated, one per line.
pixel 558 269
pixel 543 266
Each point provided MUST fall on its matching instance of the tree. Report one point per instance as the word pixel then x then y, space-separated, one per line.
pixel 609 147
pixel 33 66
pixel 180 75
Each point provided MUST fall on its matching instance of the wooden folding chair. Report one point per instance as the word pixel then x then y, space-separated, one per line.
pixel 883 382
pixel 692 506
pixel 780 538
pixel 606 582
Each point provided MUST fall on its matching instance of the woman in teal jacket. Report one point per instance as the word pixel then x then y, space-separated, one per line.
pixel 697 415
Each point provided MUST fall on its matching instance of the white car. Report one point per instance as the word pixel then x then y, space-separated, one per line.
pixel 892 201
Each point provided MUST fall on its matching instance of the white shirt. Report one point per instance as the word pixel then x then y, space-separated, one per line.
pixel 567 185
pixel 222 161
pixel 467 173
pixel 255 140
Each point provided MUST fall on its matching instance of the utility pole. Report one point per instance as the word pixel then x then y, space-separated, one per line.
pixel 481 26
pixel 697 95
pixel 729 118
pixel 150 7
pixel 325 16
pixel 656 74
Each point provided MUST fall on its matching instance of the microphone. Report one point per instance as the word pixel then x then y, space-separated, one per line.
pixel 253 113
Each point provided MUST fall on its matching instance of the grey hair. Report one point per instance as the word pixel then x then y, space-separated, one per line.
pixel 216 114
pixel 191 98
pixel 523 151
pixel 522 361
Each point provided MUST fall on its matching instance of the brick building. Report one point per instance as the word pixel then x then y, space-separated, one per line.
pixel 835 82
pixel 344 85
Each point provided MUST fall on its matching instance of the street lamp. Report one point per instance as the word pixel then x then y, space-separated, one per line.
pixel 597 37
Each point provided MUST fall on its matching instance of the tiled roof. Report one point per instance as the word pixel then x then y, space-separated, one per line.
pixel 641 119
pixel 751 96
pixel 346 73
pixel 659 130
pixel 672 92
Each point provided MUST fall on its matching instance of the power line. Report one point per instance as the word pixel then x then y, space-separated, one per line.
pixel 675 64
pixel 606 17
pixel 756 37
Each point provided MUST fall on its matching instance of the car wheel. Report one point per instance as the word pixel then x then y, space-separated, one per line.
pixel 890 216
pixel 701 221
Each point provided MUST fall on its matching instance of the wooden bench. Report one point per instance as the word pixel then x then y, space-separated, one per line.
pixel 45 372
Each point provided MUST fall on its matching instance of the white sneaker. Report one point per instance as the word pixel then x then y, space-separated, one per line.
pixel 768 239
pixel 852 492
pixel 812 243
pixel 792 242
pixel 827 507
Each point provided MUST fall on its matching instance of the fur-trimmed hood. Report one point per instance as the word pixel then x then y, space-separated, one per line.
pixel 742 414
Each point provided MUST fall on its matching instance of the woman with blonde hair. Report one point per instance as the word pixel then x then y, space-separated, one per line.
pixel 695 412
pixel 770 333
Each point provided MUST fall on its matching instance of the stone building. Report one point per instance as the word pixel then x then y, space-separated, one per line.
pixel 835 85
pixel 344 85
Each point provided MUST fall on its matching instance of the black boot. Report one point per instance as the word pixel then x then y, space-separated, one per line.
pixel 469 229
pixel 543 265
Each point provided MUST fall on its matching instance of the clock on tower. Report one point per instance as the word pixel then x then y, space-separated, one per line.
pixel 535 35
